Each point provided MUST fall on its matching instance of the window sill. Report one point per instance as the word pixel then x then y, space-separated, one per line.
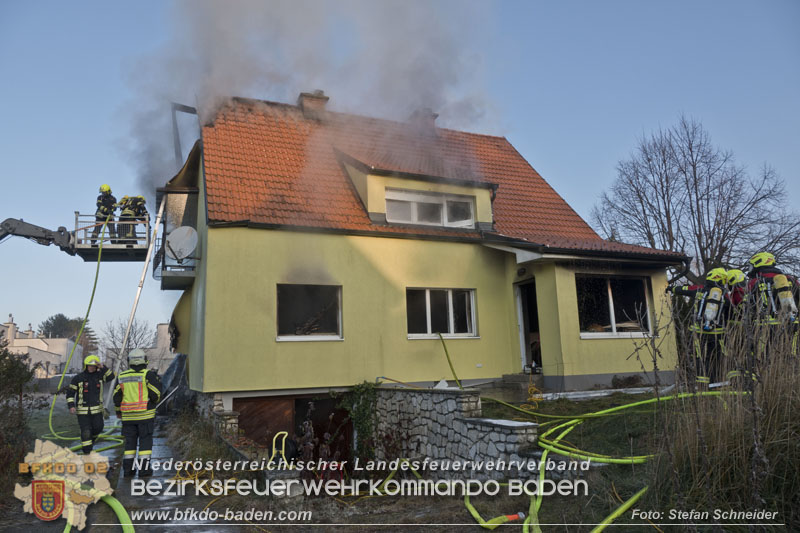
pixel 626 335
pixel 413 337
pixel 308 338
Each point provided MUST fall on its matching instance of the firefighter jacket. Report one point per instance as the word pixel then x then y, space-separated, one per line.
pixel 139 208
pixel 106 203
pixel 773 295
pixel 85 393
pixel 137 393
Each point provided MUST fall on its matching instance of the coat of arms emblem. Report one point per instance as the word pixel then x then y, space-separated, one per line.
pixel 48 498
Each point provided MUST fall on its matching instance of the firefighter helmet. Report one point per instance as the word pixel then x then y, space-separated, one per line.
pixel 762 259
pixel 717 275
pixel 735 276
pixel 91 360
pixel 137 356
pixel 105 188
pixel 141 198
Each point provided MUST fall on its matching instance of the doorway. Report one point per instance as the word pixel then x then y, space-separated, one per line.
pixel 528 324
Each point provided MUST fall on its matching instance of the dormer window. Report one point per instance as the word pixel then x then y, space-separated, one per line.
pixel 430 209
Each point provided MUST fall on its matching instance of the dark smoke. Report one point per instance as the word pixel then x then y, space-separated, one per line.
pixel 379 58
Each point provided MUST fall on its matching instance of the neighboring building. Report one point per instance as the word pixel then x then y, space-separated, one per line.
pixel 159 355
pixel 50 354
pixel 333 248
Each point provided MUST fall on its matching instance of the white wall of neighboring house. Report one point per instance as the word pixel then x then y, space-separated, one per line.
pixel 50 354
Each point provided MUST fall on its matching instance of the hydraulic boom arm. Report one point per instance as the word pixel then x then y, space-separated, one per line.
pixel 61 237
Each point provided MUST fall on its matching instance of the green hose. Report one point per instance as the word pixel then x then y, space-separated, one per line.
pixel 621 509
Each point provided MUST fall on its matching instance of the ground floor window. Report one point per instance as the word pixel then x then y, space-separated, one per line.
pixel 447 311
pixel 612 305
pixel 309 312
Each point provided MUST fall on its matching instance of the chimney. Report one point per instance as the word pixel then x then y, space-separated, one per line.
pixel 29 331
pixel 424 120
pixel 11 334
pixel 313 104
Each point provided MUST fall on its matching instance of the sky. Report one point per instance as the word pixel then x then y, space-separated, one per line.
pixel 572 85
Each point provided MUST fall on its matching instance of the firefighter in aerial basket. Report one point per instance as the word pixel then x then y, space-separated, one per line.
pixel 136 396
pixel 708 324
pixel 772 297
pixel 85 399
pixel 106 205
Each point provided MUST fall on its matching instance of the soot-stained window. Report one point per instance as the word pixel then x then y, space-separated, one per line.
pixel 612 304
pixel 450 312
pixel 309 310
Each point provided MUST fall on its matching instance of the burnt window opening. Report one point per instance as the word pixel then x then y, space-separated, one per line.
pixel 450 312
pixel 309 310
pixel 612 304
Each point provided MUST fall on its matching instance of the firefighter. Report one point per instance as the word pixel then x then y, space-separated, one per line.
pixel 135 398
pixel 106 205
pixel 88 387
pixel 771 296
pixel 127 218
pixel 708 325
pixel 736 340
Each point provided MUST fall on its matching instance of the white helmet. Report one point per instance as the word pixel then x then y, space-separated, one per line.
pixel 137 356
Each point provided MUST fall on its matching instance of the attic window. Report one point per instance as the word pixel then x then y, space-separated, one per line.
pixel 430 209
pixel 309 312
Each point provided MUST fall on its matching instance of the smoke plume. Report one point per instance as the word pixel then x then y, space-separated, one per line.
pixel 383 59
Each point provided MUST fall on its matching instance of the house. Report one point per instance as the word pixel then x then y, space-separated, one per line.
pixel 333 248
pixel 49 354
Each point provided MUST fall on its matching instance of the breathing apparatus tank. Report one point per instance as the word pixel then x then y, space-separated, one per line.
pixel 783 288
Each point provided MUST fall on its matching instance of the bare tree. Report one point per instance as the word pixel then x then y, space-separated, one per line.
pixel 141 336
pixel 680 192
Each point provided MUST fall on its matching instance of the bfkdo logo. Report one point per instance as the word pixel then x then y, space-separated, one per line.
pixel 48 499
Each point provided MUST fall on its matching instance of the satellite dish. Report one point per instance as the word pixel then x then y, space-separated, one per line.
pixel 181 242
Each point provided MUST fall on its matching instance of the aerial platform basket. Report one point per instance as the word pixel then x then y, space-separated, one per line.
pixel 128 242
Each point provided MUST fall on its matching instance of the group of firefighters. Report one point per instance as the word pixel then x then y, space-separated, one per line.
pixel 136 396
pixel 754 310
pixel 132 211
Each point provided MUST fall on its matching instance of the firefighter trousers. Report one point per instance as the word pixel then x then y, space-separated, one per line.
pixel 91 426
pixel 99 220
pixel 138 433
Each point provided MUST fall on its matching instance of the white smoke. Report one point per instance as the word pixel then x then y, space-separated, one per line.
pixel 377 58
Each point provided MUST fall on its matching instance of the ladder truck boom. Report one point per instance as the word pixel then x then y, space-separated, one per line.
pixel 60 237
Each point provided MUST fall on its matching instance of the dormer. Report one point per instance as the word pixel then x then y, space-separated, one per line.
pixel 394 197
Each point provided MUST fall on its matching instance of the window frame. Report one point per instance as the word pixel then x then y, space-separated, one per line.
pixel 441 199
pixel 450 314
pixel 311 338
pixel 614 334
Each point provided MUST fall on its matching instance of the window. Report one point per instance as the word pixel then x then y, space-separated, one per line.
pixel 450 312
pixel 433 209
pixel 309 312
pixel 612 305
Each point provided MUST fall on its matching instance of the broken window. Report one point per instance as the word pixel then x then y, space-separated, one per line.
pixel 309 310
pixel 445 311
pixel 612 304
pixel 435 209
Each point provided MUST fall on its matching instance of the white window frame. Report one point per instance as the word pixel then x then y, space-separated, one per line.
pixel 450 316
pixel 415 197
pixel 312 338
pixel 614 334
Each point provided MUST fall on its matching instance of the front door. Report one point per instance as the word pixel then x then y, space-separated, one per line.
pixel 528 324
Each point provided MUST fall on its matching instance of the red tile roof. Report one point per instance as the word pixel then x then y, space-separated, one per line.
pixel 266 164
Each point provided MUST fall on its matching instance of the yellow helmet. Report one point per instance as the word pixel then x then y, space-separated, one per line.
pixel 762 259
pixel 717 275
pixel 105 188
pixel 91 360
pixel 124 199
pixel 141 198
pixel 735 276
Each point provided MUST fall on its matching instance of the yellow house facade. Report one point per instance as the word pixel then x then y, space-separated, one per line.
pixel 321 262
